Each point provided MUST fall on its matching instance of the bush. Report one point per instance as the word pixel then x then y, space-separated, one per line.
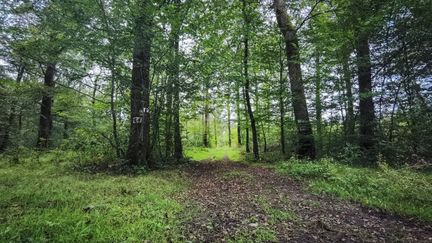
pixel 305 169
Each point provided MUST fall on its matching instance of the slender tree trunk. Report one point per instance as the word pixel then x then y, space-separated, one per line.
pixel 206 120
pixel 112 65
pixel 215 130
pixel 247 137
pixel 350 122
pixel 246 126
pixel 168 120
pixel 155 119
pixel 367 114
pixel 178 146
pixel 246 84
pixel 306 147
pixel 93 101
pixel 138 149
pixel 264 137
pixel 45 120
pixel 229 119
pixel 112 105
pixel 318 107
pixel 392 123
pixel 65 129
pixel 159 109
pixel 281 101
pixel 238 113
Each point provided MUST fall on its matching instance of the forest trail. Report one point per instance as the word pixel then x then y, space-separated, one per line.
pixel 240 202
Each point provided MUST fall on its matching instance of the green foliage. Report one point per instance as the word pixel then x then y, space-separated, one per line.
pixel 305 169
pixel 43 201
pixel 219 153
pixel 260 234
pixel 400 191
pixel 276 215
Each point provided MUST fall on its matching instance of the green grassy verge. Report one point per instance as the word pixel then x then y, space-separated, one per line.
pixel 44 201
pixel 219 153
pixel 403 191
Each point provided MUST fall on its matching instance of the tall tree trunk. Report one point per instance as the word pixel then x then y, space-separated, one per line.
pixel 367 114
pixel 238 113
pixel 350 122
pixel 206 119
pixel 215 130
pixel 246 83
pixel 247 136
pixel 45 120
pixel 4 139
pixel 65 129
pixel 112 66
pixel 93 101
pixel 264 136
pixel 281 101
pixel 138 149
pixel 178 146
pixel 306 147
pixel 112 105
pixel 246 126
pixel 168 119
pixel 229 119
pixel 318 106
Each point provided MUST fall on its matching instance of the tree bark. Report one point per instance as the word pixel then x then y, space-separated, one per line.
pixel 247 82
pixel 367 114
pixel 112 105
pixel 318 106
pixel 93 101
pixel 306 146
pixel 229 119
pixel 206 119
pixel 281 101
pixel 215 130
pixel 138 149
pixel 238 113
pixel 178 146
pixel 45 119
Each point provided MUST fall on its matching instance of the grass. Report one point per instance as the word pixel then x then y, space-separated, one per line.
pixel 44 201
pixel 259 234
pixel 403 191
pixel 276 215
pixel 219 153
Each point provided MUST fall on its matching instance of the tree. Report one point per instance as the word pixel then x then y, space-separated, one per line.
pixel 306 147
pixel 45 121
pixel 139 145
pixel 247 81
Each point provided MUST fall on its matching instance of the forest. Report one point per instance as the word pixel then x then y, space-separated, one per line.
pixel 215 121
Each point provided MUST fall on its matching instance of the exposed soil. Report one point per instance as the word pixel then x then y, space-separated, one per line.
pixel 235 199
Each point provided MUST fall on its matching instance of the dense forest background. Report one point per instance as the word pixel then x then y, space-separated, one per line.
pixel 143 81
pixel 216 121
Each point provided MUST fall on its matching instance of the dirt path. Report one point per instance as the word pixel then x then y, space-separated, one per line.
pixel 237 202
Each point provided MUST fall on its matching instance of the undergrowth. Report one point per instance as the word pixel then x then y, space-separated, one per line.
pixel 401 191
pixel 43 200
